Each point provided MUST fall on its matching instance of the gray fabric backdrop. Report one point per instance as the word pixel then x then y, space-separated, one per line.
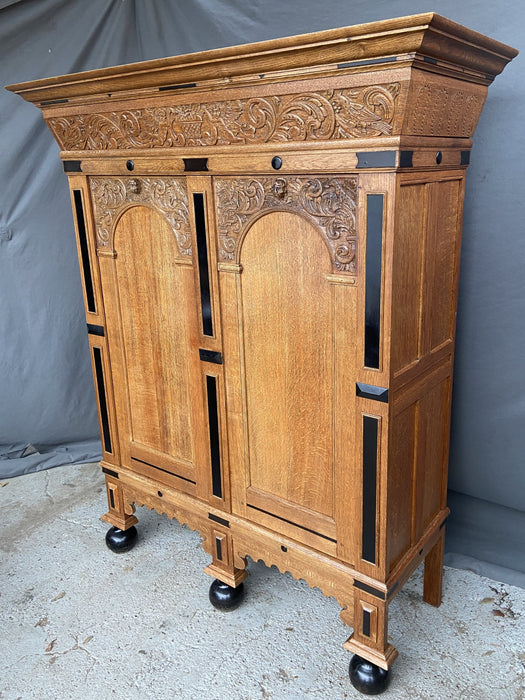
pixel 47 404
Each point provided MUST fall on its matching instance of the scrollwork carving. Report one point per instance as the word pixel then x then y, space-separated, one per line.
pixel 330 203
pixel 344 113
pixel 166 195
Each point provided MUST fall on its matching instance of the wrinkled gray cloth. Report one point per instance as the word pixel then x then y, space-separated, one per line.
pixel 16 460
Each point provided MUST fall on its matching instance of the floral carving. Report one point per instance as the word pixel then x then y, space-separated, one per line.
pixel 168 195
pixel 330 203
pixel 326 115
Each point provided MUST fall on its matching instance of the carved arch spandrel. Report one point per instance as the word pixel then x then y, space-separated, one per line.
pixel 329 203
pixel 112 196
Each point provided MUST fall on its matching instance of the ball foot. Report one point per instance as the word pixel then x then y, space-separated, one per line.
pixel 224 597
pixel 367 677
pixel 121 540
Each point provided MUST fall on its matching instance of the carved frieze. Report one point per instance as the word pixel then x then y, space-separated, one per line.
pixel 330 203
pixel 311 116
pixel 441 110
pixel 167 195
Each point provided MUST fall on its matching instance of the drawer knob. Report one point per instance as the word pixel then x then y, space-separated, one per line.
pixel 130 165
pixel 277 162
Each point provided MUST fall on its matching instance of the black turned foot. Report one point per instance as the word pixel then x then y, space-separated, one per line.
pixel 224 597
pixel 367 677
pixel 121 540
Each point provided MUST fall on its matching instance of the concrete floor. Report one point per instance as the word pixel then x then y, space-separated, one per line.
pixel 79 622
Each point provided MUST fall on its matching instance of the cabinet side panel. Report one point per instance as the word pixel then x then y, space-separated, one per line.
pixel 400 485
pixel 432 454
pixel 406 292
pixel 289 367
pixel 444 221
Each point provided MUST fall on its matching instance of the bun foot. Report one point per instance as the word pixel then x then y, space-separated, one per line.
pixel 224 597
pixel 367 677
pixel 121 540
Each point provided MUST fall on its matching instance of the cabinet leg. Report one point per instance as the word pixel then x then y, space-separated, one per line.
pixel 227 591
pixel 123 535
pixel 369 642
pixel 433 574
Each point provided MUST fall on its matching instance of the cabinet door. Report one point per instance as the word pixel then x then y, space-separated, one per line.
pixel 287 279
pixel 147 267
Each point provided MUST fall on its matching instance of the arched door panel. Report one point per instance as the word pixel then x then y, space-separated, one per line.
pixel 287 343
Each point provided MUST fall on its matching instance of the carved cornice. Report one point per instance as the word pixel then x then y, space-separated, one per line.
pixel 167 195
pixel 330 203
pixel 469 54
pixel 314 116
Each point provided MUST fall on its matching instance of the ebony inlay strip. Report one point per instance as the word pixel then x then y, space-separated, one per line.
pixel 213 423
pixel 369 391
pixel 376 159
pixel 110 473
pixel 210 356
pixel 370 435
pixel 104 417
pixel 194 165
pixel 154 466
pixel 405 159
pixel 218 548
pixel 54 102
pixel 111 498
pixel 72 166
pixel 366 623
pixel 216 519
pixel 290 522
pixel 204 271
pixel 84 252
pixel 369 589
pixel 369 62
pixel 429 59
pixel 374 245
pixel 177 87
pixel 465 158
pixel 95 330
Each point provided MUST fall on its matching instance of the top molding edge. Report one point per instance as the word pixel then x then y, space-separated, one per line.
pixel 427 35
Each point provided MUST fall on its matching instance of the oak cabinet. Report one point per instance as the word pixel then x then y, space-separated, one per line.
pixel 269 240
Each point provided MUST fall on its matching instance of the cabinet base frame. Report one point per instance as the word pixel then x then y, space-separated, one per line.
pixel 364 600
